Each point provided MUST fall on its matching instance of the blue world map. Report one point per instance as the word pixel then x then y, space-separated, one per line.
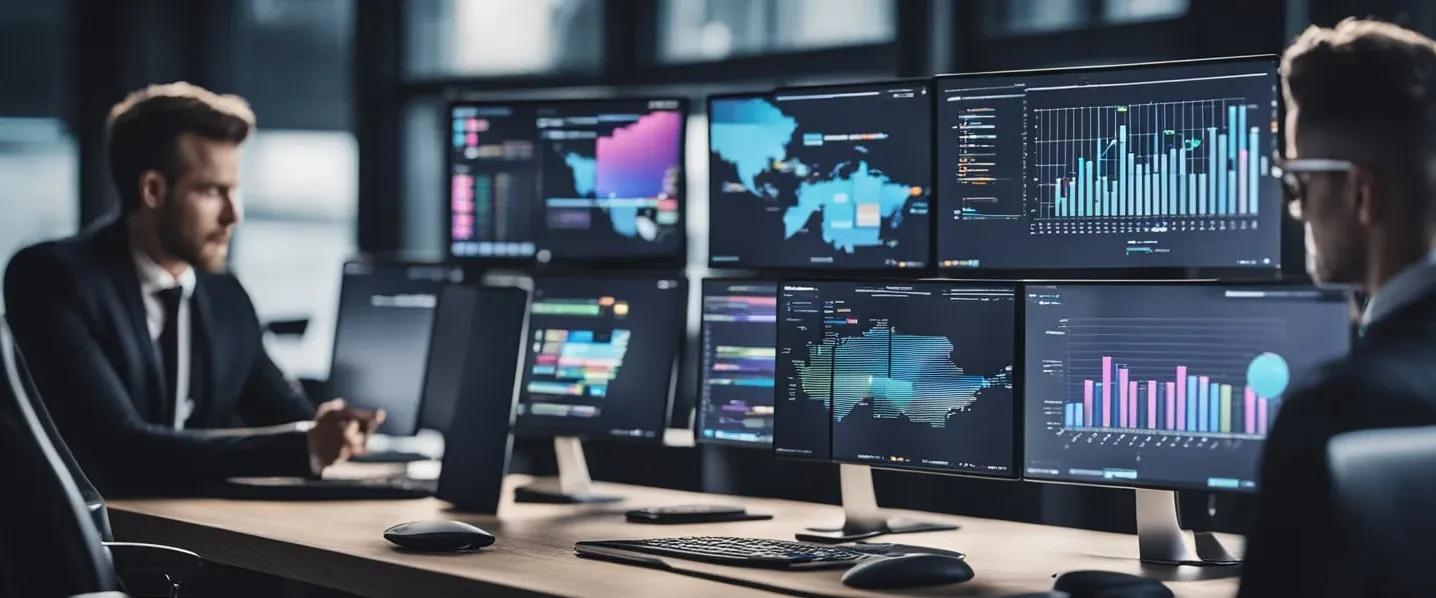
pixel 907 375
pixel 854 200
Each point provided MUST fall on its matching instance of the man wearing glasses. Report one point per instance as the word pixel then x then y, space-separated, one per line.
pixel 1360 144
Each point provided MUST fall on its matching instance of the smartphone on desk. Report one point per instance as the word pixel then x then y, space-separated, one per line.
pixel 692 514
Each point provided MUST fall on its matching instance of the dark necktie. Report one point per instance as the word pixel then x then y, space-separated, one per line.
pixel 169 350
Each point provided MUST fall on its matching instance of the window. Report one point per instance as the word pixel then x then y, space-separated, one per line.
pixel 501 37
pixel 1037 16
pixel 1047 16
pixel 299 193
pixel 39 160
pixel 728 28
pixel 299 173
pixel 39 163
pixel 1133 11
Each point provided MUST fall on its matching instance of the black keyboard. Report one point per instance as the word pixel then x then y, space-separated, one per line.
pixel 746 552
pixel 309 489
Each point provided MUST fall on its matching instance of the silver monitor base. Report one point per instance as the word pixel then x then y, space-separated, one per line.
pixel 573 485
pixel 861 516
pixel 1160 538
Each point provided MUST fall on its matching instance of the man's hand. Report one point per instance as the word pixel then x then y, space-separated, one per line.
pixel 340 432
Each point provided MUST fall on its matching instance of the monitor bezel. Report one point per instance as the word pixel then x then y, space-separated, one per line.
pixel 678 341
pixel 676 258
pixel 1288 258
pixel 927 270
pixel 1336 294
pixel 1018 452
pixel 700 402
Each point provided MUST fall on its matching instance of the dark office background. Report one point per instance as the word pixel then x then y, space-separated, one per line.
pixel 347 159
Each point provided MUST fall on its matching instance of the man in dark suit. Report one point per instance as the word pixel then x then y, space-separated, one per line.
pixel 147 353
pixel 1360 145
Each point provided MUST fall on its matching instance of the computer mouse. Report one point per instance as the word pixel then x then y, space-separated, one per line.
pixel 438 536
pixel 1109 584
pixel 907 571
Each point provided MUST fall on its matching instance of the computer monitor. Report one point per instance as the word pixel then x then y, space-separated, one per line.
pixel 1166 386
pixel 1144 167
pixel 382 337
pixel 567 180
pixel 737 345
pixel 601 356
pixel 821 178
pixel 910 375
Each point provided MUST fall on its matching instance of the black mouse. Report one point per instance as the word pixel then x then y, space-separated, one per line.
pixel 1110 584
pixel 438 536
pixel 908 571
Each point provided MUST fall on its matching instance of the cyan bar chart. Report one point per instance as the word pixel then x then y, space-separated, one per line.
pixel 1169 159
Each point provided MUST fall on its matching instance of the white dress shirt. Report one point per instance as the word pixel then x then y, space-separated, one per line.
pixel 1410 284
pixel 153 279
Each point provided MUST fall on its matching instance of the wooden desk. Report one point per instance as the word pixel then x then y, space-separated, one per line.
pixel 339 545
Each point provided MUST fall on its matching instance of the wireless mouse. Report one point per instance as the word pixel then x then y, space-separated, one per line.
pixel 908 571
pixel 1099 584
pixel 438 536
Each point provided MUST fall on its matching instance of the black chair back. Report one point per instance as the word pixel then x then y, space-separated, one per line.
pixel 50 545
pixel 1384 484
pixel 94 502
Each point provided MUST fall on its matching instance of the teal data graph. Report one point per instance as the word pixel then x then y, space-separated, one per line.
pixel 1195 158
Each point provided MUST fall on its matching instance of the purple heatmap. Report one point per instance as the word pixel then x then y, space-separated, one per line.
pixel 633 161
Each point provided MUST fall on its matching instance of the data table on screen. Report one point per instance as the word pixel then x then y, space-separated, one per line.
pixel 735 403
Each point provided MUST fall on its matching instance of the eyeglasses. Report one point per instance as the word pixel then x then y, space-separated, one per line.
pixel 1293 183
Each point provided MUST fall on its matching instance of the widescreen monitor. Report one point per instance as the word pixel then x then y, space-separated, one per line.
pixel 915 375
pixel 1146 167
pixel 1166 386
pixel 601 356
pixel 566 180
pixel 821 178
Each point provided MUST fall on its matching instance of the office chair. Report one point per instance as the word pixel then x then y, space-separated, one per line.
pixel 1384 483
pixel 55 521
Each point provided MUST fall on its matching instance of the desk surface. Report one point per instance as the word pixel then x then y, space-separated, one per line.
pixel 339 545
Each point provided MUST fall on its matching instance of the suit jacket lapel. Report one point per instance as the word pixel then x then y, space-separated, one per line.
pixel 126 284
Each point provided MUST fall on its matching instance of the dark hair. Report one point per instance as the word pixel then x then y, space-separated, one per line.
pixel 1367 78
pixel 143 131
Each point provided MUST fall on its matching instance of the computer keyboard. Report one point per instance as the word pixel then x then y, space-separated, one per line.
pixel 746 552
pixel 340 489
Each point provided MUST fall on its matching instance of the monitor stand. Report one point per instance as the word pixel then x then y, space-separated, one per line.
pixel 1160 538
pixel 862 517
pixel 573 485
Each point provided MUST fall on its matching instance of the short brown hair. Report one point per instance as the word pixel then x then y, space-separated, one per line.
pixel 142 131
pixel 1367 78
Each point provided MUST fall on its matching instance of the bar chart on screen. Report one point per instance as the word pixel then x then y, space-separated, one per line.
pixel 1187 402
pixel 1172 380
pixel 1194 163
pixel 1173 385
pixel 1153 166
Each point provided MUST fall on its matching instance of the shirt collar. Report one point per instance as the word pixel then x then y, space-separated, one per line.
pixel 154 278
pixel 1410 284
